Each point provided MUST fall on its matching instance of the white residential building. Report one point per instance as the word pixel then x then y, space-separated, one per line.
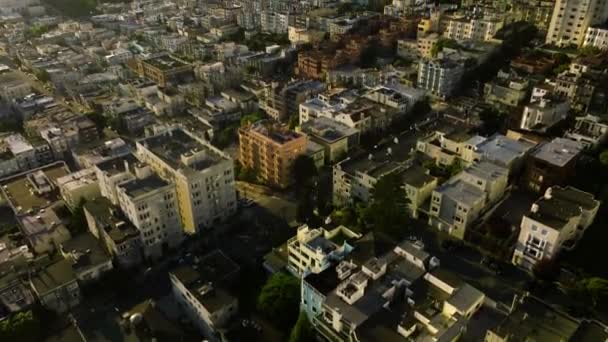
pixel 557 220
pixel 312 250
pixel 571 18
pixel 455 205
pixel 596 37
pixel 112 172
pixel 589 130
pixel 541 115
pixel 199 290
pixel 150 203
pixel 439 76
pixel 203 176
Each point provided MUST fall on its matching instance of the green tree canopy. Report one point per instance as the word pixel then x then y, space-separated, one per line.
pixel 604 158
pixel 251 118
pixel 302 331
pixel 388 212
pixel 279 299
pixel 595 288
pixel 22 327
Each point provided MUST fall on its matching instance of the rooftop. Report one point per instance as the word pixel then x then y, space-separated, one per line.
pixel 140 187
pixel 181 151
pixel 278 134
pixel 56 274
pixel 462 192
pixel 21 193
pixel 558 152
pixel 117 165
pixel 165 62
pixel 328 130
pixel 559 205
pixel 534 320
pixel 214 267
pixel 85 252
pixel 500 149
pixel 417 176
pixel 117 228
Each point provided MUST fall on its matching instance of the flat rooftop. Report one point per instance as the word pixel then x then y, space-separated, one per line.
pixel 328 130
pixel 563 204
pixel 20 192
pixel 559 151
pixel 174 144
pixel 119 229
pixel 118 164
pixel 499 148
pixel 462 192
pixel 54 275
pixel 140 187
pixel 165 62
pixel 279 134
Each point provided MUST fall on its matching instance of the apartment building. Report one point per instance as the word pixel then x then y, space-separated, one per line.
pixel 314 250
pixel 111 172
pixel 571 19
pixel 201 289
pixel 78 186
pixel 556 221
pixel 358 299
pixel 56 286
pixel 506 90
pixel 455 205
pixel 270 150
pixel 150 203
pixel 478 29
pixel 282 101
pixel 551 163
pixel 440 76
pixel 419 186
pixel 597 37
pixel 590 130
pixel 425 44
pixel 544 114
pixel 163 69
pixel 118 236
pixel 16 155
pixel 203 176
pixel 336 138
pixel 355 177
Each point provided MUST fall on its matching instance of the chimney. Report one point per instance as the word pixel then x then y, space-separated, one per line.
pixel 548 193
pixel 534 208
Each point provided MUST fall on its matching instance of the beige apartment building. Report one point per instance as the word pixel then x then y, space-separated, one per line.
pixel 270 150
pixel 203 176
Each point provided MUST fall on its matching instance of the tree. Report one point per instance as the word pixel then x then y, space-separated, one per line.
pixel 22 326
pixel 100 120
pixel 302 331
pixel 604 158
pixel 388 211
pixel 595 288
pixel 279 299
pixel 251 118
pixel 293 122
pixel 492 121
pixel 78 220
pixel 305 173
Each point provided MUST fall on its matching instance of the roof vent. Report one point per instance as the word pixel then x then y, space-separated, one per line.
pixel 534 208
